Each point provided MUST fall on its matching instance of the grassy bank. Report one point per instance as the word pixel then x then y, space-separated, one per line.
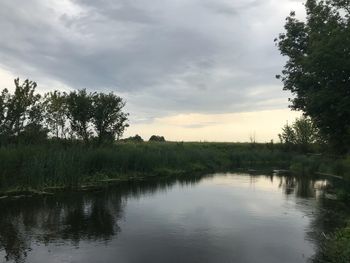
pixel 336 249
pixel 72 165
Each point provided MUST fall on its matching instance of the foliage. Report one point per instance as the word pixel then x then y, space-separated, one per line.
pixel 156 138
pixel 107 116
pixel 80 112
pixel 136 138
pixel 21 112
pixel 287 136
pixel 301 134
pixel 56 113
pixel 318 69
pixel 26 117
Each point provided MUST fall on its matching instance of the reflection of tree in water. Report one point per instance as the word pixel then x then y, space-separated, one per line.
pixel 330 215
pixel 326 214
pixel 12 241
pixel 301 186
pixel 87 218
pixel 70 217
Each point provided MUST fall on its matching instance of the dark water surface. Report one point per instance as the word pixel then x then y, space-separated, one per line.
pixel 220 218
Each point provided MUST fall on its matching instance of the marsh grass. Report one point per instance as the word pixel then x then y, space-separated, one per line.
pixel 72 164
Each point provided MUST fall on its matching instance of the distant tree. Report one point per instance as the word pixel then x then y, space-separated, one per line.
pixel 80 113
pixel 318 69
pixel 27 117
pixel 136 138
pixel 56 112
pixel 107 116
pixel 156 138
pixel 302 134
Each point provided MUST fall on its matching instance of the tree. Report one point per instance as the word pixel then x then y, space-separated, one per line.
pixel 136 138
pixel 305 132
pixel 34 130
pixel 287 136
pixel 80 112
pixel 56 113
pixel 156 138
pixel 108 118
pixel 20 109
pixel 318 68
pixel 301 134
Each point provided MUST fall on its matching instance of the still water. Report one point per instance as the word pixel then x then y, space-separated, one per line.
pixel 218 218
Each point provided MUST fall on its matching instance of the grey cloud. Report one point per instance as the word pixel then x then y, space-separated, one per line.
pixel 122 10
pixel 231 7
pixel 165 57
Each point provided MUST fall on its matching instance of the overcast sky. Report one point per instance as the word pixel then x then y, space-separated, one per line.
pixel 189 69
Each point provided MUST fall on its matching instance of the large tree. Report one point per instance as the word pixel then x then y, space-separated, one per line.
pixel 318 68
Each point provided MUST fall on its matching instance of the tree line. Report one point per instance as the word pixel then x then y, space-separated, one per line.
pixel 26 116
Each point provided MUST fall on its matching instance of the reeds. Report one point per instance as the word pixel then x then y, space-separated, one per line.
pixel 72 164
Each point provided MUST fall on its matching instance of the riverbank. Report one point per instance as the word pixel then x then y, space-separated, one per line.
pixel 72 165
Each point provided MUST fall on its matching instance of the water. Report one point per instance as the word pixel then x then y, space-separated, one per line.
pixel 219 218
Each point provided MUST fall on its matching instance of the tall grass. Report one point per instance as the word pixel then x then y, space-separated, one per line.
pixel 70 165
pixel 56 164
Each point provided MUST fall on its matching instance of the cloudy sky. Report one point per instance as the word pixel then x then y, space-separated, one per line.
pixel 188 69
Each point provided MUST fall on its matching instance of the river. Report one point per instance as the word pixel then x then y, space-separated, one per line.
pixel 229 217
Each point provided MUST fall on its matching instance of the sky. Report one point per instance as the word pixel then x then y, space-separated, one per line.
pixel 190 70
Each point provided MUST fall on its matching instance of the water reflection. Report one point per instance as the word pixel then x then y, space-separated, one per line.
pixel 70 216
pixel 95 218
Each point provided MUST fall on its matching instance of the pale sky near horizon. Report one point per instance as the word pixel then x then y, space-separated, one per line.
pixel 190 70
